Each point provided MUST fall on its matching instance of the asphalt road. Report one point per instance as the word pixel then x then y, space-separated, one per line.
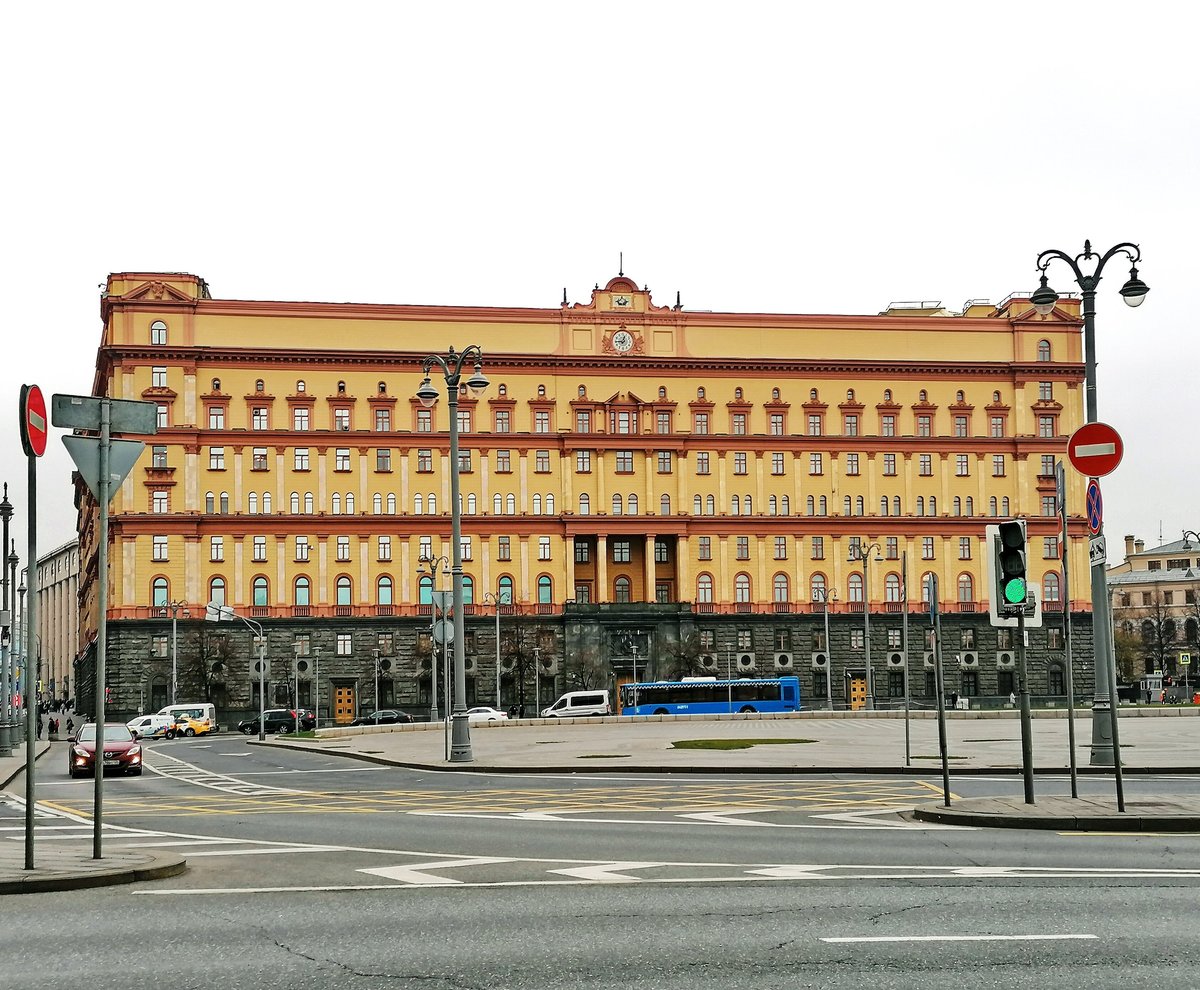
pixel 307 870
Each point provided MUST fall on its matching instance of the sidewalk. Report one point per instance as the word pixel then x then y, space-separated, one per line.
pixel 57 866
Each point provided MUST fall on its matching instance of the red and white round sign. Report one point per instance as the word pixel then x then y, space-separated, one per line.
pixel 33 421
pixel 1095 449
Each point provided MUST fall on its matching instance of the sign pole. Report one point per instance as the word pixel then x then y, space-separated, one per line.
pixel 1064 552
pixel 935 620
pixel 1026 717
pixel 103 495
pixel 29 685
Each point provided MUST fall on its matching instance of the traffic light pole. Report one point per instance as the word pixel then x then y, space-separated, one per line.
pixel 1026 718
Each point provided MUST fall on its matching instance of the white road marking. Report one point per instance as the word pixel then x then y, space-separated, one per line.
pixel 415 873
pixel 608 872
pixel 692 819
pixel 189 773
pixel 957 938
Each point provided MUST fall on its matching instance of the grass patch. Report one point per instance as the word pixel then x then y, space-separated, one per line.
pixel 302 734
pixel 604 756
pixel 734 743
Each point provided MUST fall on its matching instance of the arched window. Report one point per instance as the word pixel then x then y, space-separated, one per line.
pixel 662 391
pixel 468 590
pixel 957 506
pixel 216 591
pixel 786 504
pixel 996 396
pixel 349 503
pixel 780 588
pixel 431 504
pixel 210 503
pixel 425 590
pixel 933 505
pixel 303 590
pixel 504 588
pixel 959 396
pixel 700 392
pixel 810 506
pixel 300 386
pixel 343 590
pixel 823 506
pixel 812 394
pixel 391 503
pixel 252 503
pixel 923 396
pixel 616 504
pixel 216 384
pixel 847 506
pixel 737 393
pixel 710 505
pixel 891 588
pixel 736 505
pixel 704 588
pixel 741 588
pixel 419 504
pixel 224 503
pixel 970 506
pixel 774 395
pixel 772 506
pixel 259 385
pixel 498 504
pixel 295 503
pixel 159 592
pixel 883 505
pixel 549 504
pixel 1004 505
pixel 966 588
pixel 266 503
pixel 537 505
pixel 260 591
pixel 621 589
pixel 858 505
pixel 849 395
pixel 816 587
pixel 664 505
pixel 920 505
pixel 697 505
pixel 158 332
pixel 927 587
pixel 896 506
pixel 748 506
pixel 510 504
pixel 1050 587
pixel 545 590
pixel 383 590
pixel 631 504
pixel 377 504
pixel 993 506
pixel 335 504
pixel 887 395
pixel 856 588
pixel 1043 350
pixel 585 504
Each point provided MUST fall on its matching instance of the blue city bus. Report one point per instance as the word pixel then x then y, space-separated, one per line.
pixel 709 696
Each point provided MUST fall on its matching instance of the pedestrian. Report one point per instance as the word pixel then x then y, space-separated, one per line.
pixel 40 725
pixel 70 725
pixel 1012 698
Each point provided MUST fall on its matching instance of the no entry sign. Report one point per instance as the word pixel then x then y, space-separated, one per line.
pixel 1095 449
pixel 33 421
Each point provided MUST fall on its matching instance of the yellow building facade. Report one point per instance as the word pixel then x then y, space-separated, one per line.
pixel 630 461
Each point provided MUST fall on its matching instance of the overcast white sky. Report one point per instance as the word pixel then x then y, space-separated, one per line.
pixel 801 158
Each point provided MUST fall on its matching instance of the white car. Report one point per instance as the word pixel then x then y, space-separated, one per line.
pixel 485 714
pixel 151 726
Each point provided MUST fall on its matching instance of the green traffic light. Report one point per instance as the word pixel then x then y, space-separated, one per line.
pixel 1014 591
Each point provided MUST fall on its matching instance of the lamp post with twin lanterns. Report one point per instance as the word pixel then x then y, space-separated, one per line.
pixel 214 612
pixel 825 597
pixel 451 367
pixel 175 608
pixel 433 563
pixel 1105 737
pixel 498 598
pixel 862 552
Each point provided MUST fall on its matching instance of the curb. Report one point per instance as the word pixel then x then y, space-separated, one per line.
pixel 161 865
pixel 1065 823
pixel 21 769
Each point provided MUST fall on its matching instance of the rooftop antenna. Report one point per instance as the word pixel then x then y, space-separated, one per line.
pixel 621 264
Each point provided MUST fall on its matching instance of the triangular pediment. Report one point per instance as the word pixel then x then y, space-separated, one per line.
pixel 157 291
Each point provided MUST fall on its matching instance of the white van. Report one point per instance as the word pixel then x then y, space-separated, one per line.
pixel 575 703
pixel 196 709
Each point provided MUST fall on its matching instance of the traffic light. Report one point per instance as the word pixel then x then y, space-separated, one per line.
pixel 1009 549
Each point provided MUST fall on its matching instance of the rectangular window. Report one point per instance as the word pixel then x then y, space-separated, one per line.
pixel 997 426
pixel 781 548
pixel 343 548
pixel 159 551
pixel 302 548
pixel 385 548
pixel 852 464
pixel 962 465
pixel 739 462
pixel 892 548
pixel 743 548
pixel 158 457
pixel 662 422
pixel 624 462
pixel 814 424
pixel 504 548
pixel 889 465
pixel 704 549
pixel 162 416
pixel 464 462
pixel 216 417
pixel 541 421
pixel 300 419
pixel 895 640
pixel 1047 470
pixel 702 463
pixel 1004 638
pixel 216 458
pixel 258 459
pixel 1049 505
pixel 737 424
pixel 216 548
pixel 160 645
pixel 664 462
pixel 777 463
pixel 503 421
pixel 887 425
pixel 424 420
pixel 543 548
pixel 927 548
pixel 1045 391
pixel 997 465
pixel 341 459
pixel 158 377
pixel 818 548
pixel 583 553
pixel 960 426
pixel 776 425
pixel 850 428
pixel 583 421
pixel 541 461
pixel 383 459
pixel 814 464
pixel 503 462
pixel 856 639
pixel 464 421
pixel 1054 641
pixel 745 639
pixel 159 502
pixel 700 423
pixel 1046 426
pixel 464 547
pixel 621 551
pixel 662 552
pixel 424 461
pixel 259 552
pixel 583 461
pixel 383 421
pixel 964 548
pixel 341 420
pixel 925 466
pixel 426 548
pixel 345 644
pixel 622 421
pixel 386 644
pixel 300 459
pixel 1049 547
pixel 924 426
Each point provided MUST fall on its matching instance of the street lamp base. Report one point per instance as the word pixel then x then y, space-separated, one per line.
pixel 1102 741
pixel 5 741
pixel 460 739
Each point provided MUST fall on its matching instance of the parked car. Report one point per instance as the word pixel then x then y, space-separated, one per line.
pixel 485 714
pixel 385 716
pixel 152 726
pixel 277 720
pixel 186 725
pixel 122 751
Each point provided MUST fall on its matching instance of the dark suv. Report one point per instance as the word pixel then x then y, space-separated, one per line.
pixel 277 720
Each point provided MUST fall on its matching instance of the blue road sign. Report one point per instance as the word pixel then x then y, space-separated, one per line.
pixel 1095 506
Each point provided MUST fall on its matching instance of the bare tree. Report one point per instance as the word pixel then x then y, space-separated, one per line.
pixel 517 657
pixel 209 663
pixel 1158 631
pixel 1129 649
pixel 683 657
pixel 588 670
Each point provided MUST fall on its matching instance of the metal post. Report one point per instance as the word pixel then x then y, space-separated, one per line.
pixel 497 650
pixel 635 680
pixel 828 651
pixel 316 688
pixel 867 628
pixel 537 678
pixel 6 649
pixel 460 747
pixel 262 683
pixel 1026 721
pixel 433 645
pixel 375 655
pixel 1061 484
pixel 935 620
pixel 104 494
pixel 904 647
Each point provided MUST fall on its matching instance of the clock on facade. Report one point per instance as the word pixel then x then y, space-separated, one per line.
pixel 622 341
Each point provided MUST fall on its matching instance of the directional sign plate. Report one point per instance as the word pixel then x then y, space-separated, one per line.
pixel 83 412
pixel 1095 506
pixel 1097 550
pixel 85 452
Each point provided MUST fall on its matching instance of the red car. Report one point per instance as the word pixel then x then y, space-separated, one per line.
pixel 122 751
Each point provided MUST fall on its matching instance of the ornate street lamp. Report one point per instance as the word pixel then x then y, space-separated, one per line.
pixel 862 552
